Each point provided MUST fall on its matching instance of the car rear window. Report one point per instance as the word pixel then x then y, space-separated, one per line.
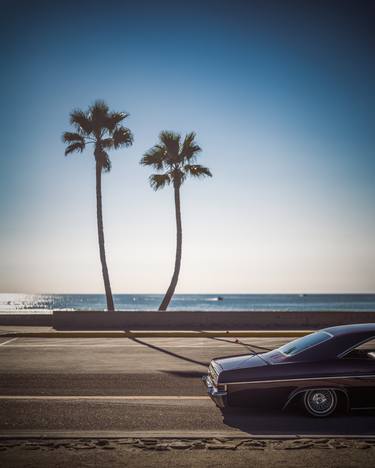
pixel 301 344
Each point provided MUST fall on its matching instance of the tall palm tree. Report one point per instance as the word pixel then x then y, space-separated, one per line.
pixel 175 159
pixel 101 128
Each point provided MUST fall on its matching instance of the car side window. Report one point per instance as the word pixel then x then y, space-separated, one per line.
pixel 363 351
pixel 301 344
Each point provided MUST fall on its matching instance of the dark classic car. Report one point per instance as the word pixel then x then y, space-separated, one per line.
pixel 323 371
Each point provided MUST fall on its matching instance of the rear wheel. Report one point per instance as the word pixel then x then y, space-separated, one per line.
pixel 320 403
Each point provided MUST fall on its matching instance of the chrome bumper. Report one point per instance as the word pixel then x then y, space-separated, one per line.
pixel 219 397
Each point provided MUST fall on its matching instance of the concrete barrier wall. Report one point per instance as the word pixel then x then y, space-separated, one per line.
pixel 203 320
pixel 182 320
pixel 35 320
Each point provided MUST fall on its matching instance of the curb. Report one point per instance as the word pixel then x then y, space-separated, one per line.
pixel 160 334
pixel 35 435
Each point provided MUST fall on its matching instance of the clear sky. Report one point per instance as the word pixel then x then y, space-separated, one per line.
pixel 281 95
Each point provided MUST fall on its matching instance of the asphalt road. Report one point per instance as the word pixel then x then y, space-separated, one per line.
pixel 136 386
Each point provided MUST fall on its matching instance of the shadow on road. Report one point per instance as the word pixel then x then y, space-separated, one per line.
pixel 170 353
pixel 294 422
pixel 240 343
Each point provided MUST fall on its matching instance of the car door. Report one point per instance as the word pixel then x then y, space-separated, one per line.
pixel 359 365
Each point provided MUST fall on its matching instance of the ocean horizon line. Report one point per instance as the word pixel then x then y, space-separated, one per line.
pixel 34 303
pixel 304 293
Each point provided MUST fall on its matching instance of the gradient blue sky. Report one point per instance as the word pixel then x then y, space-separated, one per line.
pixel 281 95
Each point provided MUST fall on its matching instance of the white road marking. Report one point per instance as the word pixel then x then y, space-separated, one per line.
pixel 67 345
pixel 100 397
pixel 8 341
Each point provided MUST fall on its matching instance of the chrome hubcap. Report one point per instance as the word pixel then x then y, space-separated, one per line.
pixel 321 401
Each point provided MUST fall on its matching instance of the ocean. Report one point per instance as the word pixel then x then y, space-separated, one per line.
pixel 46 303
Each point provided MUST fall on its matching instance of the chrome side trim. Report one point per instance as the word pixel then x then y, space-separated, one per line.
pixel 344 353
pixel 302 379
pixel 363 408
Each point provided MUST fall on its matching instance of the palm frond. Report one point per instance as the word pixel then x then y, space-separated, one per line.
pixel 99 109
pixel 154 157
pixel 106 165
pixel 81 121
pixel 98 113
pixel 196 170
pixel 122 136
pixel 72 137
pixel 171 141
pixel 78 146
pixel 106 143
pixel 114 118
pixel 190 148
pixel 170 154
pixel 159 181
pixel 102 158
pixel 98 126
pixel 178 176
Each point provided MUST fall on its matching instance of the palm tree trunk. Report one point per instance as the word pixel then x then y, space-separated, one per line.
pixel 99 215
pixel 170 291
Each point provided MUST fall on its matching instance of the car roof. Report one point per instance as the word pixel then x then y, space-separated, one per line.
pixel 343 338
pixel 356 328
